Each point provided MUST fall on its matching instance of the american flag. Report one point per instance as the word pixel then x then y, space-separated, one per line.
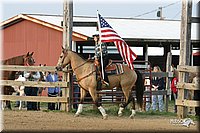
pixel 107 34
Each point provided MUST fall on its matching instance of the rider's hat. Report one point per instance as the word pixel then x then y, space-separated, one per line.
pixel 96 34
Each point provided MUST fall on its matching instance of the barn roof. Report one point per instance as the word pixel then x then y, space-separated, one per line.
pixel 127 28
pixel 43 22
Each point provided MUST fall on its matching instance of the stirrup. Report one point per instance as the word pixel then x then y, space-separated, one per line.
pixel 106 83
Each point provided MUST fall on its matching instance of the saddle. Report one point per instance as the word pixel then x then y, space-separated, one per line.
pixel 111 69
pixel 114 69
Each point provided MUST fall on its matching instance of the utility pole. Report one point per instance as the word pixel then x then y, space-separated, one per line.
pixel 185 51
pixel 67 23
pixel 67 44
pixel 160 13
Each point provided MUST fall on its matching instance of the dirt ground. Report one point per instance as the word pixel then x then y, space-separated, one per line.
pixel 62 121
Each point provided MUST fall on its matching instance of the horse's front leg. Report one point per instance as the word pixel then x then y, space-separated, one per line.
pixel 93 94
pixel 80 106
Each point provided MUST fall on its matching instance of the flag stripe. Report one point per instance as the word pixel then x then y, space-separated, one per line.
pixel 108 30
pixel 109 35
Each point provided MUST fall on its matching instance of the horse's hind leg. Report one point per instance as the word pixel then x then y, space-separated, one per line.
pixel 133 109
pixel 80 106
pixel 128 99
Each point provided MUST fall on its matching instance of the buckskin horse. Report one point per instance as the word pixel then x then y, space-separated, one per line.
pixel 26 60
pixel 85 72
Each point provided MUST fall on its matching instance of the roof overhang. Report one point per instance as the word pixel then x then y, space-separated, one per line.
pixel 21 17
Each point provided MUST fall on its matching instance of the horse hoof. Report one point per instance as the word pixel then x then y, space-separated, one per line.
pixel 105 117
pixel 76 115
pixel 119 115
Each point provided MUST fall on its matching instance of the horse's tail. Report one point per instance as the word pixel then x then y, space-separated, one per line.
pixel 139 86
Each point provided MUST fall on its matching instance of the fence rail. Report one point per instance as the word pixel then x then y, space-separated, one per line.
pixel 27 68
pixel 34 98
pixel 181 102
pixel 64 99
pixel 190 69
pixel 189 86
pixel 33 83
pixel 188 103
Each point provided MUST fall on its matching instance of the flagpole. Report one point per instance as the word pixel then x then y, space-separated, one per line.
pixel 100 45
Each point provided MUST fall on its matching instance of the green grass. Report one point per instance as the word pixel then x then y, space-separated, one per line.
pixel 112 110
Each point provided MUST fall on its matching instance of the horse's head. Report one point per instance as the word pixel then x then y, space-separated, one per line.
pixel 63 60
pixel 28 59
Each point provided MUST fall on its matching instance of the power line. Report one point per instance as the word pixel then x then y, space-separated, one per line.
pixel 146 13
pixel 176 14
pixel 171 4
pixel 157 9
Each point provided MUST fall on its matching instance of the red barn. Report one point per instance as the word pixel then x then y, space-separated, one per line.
pixel 23 33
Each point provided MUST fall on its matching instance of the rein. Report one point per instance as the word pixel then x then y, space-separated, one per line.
pixel 78 80
pixel 81 64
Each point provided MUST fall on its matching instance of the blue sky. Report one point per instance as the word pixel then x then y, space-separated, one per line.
pixel 108 8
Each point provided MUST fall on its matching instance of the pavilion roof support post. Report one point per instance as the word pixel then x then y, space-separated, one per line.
pixel 192 59
pixel 145 53
pixel 185 51
pixel 168 81
pixel 167 49
pixel 67 43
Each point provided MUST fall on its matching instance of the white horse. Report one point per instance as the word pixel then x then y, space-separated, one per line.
pixel 20 89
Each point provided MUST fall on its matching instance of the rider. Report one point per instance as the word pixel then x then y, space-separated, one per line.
pixel 101 49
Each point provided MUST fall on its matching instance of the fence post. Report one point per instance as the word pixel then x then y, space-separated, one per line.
pixel 185 52
pixel 168 81
pixel 67 43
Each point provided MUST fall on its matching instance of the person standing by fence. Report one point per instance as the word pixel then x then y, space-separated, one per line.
pixel 196 81
pixel 174 91
pixel 148 99
pixel 19 76
pixel 157 84
pixel 52 91
pixel 31 91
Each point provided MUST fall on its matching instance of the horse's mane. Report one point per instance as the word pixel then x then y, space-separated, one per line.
pixel 12 61
pixel 78 54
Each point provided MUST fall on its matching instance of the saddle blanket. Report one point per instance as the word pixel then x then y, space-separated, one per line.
pixel 114 69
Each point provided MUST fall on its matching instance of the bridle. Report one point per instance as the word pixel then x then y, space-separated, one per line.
pixel 28 60
pixel 70 70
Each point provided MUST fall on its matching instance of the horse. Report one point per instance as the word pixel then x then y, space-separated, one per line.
pixel 25 59
pixel 85 72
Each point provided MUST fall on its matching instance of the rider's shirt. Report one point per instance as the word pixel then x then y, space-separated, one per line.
pixel 101 47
